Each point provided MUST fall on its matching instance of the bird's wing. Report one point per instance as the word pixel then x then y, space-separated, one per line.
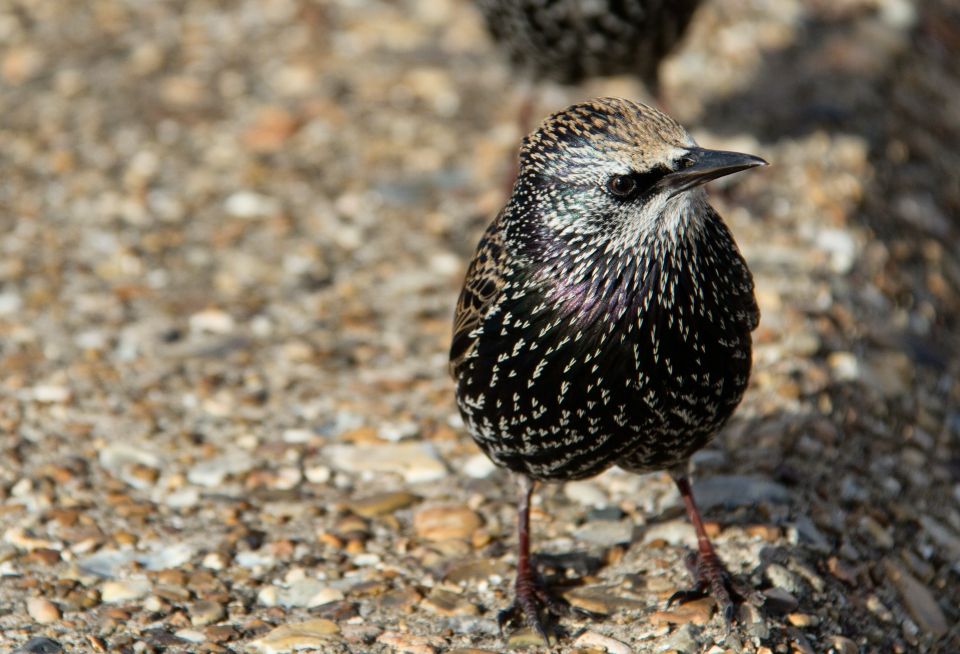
pixel 480 292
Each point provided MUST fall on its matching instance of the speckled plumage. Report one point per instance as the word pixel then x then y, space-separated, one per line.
pixel 569 40
pixel 592 331
pixel 606 316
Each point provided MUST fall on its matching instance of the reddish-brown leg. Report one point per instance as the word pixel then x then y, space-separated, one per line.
pixel 531 598
pixel 710 576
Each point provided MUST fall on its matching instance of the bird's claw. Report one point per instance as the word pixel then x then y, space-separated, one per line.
pixel 532 603
pixel 711 578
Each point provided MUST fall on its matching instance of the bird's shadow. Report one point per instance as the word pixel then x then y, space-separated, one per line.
pixel 892 81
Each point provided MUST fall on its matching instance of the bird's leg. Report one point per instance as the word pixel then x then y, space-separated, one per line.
pixel 710 575
pixel 528 591
pixel 531 598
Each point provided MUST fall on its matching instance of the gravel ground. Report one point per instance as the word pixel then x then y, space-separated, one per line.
pixel 232 238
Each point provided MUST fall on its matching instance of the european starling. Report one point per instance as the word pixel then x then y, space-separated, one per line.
pixel 606 317
pixel 570 40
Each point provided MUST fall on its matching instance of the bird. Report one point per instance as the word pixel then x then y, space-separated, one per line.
pixel 572 40
pixel 605 320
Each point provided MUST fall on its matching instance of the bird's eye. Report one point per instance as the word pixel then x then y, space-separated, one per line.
pixel 622 186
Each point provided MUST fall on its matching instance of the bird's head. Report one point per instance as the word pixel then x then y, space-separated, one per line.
pixel 613 174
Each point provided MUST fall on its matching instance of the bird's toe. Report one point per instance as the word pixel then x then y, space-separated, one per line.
pixel 711 578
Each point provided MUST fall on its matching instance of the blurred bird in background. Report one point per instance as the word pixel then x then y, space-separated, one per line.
pixel 571 40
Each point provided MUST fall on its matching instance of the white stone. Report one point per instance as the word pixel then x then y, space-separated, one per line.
pixel 675 532
pixel 183 498
pixel 288 477
pixel 394 432
pixel 416 462
pixel 297 436
pixel 844 366
pixel 268 596
pixel 91 340
pixel 167 555
pixel 214 561
pixel 592 638
pixel 192 636
pixel 478 466
pixel 212 472
pixel 841 247
pixel 116 455
pixel 606 533
pixel 446 263
pixel 317 474
pixel 585 493
pixel 250 559
pixel 10 303
pixel 153 604
pixel 308 593
pixel 42 610
pixel 248 204
pixel 50 393
pixel 124 591
pixel 212 321
pixel 106 562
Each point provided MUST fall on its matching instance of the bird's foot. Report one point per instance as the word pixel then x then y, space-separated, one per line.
pixel 711 577
pixel 537 607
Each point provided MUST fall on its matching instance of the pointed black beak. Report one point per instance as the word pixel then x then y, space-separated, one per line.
pixel 699 166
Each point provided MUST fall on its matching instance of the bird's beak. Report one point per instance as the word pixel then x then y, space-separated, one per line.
pixel 699 166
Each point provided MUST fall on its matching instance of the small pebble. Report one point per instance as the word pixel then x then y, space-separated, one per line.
pixel 674 532
pixel 781 577
pixel 479 466
pixel 212 472
pixel 446 603
pixel 802 620
pixel 247 204
pixel 308 593
pixel 124 591
pixel 39 645
pixel 696 612
pixel 191 635
pixel 754 621
pixel 610 645
pixel 780 600
pixel 843 645
pixel 586 493
pixel 881 537
pixel 296 636
pixel 212 321
pixel 416 462
pixel 683 640
pixel 605 533
pixel 42 610
pixel 382 503
pixel 523 638
pixel 407 643
pixel 51 394
pixel 918 599
pixel 437 523
pixel 877 607
pixel 206 612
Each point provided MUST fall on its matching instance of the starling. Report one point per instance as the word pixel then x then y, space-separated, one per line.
pixel 605 318
pixel 571 40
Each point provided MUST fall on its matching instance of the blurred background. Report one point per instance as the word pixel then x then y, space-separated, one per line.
pixel 231 239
